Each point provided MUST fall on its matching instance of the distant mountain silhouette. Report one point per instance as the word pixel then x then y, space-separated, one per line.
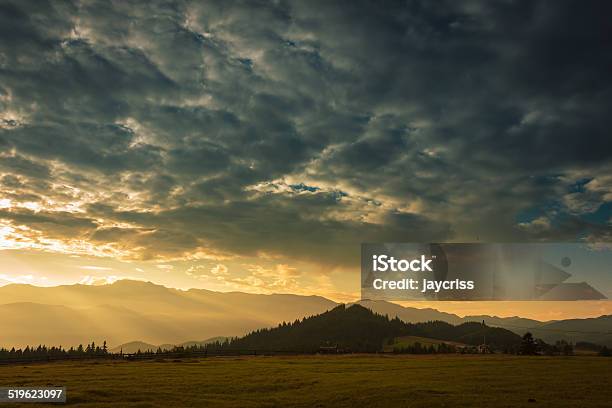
pixel 193 343
pixel 358 329
pixel 132 310
pixel 409 314
pixel 596 330
pixel 134 346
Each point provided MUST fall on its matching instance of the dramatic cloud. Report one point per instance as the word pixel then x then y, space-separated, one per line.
pixel 216 130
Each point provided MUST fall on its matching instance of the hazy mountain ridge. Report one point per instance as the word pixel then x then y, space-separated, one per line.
pixel 129 310
pixel 156 315
pixel 410 314
pixel 134 346
pixel 596 330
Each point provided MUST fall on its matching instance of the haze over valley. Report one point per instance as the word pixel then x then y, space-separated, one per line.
pixel 128 311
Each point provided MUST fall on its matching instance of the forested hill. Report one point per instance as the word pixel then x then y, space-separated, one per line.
pixel 359 329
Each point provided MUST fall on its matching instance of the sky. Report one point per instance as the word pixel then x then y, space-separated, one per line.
pixel 254 145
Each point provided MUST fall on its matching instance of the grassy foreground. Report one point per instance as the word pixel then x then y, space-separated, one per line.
pixel 322 381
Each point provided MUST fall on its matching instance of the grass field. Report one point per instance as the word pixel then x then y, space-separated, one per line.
pixel 334 381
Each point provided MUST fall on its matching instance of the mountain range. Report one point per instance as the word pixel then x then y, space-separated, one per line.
pixel 595 330
pixel 129 310
pixel 134 346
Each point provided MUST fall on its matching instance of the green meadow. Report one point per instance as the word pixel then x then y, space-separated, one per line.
pixel 327 381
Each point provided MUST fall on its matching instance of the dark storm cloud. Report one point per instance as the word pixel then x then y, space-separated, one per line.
pixel 58 224
pixel 103 147
pixel 23 166
pixel 273 225
pixel 407 121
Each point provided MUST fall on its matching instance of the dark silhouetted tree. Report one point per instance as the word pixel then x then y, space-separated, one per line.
pixel 528 345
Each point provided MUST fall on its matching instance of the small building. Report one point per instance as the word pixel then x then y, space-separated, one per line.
pixel 328 349
pixel 484 349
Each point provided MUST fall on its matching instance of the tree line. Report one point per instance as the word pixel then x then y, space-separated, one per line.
pixel 418 348
pixel 358 329
pixel 532 346
pixel 342 329
pixel 42 352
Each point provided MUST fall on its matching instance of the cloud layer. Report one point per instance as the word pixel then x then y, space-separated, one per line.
pixel 204 130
